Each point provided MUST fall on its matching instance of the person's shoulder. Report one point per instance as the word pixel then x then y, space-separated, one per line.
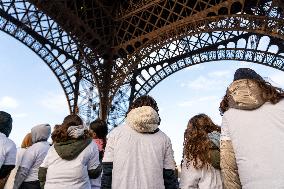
pixel 117 130
pixel 38 147
pixel 93 145
pixel 230 112
pixel 32 148
pixel 10 143
pixel 163 135
pixel 281 102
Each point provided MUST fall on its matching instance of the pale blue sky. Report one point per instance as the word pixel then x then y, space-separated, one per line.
pixel 32 94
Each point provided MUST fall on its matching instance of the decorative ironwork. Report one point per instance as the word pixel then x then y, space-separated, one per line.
pixel 102 51
pixel 182 53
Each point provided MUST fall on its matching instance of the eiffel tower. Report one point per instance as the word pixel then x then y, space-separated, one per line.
pixel 106 53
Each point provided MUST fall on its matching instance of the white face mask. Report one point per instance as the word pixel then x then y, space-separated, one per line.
pixel 76 131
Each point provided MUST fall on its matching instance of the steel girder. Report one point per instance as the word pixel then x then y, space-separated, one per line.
pixel 109 44
pixel 182 53
pixel 53 45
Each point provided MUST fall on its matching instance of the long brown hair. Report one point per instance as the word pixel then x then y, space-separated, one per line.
pixel 196 143
pixel 60 132
pixel 271 94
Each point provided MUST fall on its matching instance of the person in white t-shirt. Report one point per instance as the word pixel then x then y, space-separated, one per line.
pixel 252 133
pixel 27 142
pixel 73 159
pixel 7 147
pixel 27 173
pixel 200 167
pixel 99 131
pixel 139 155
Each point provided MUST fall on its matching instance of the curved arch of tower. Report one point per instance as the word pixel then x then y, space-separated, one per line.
pixel 107 53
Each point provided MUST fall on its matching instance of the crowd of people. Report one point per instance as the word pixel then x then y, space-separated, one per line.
pixel 244 152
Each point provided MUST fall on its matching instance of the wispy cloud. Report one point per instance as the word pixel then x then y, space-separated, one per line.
pixel 277 79
pixel 204 83
pixel 246 65
pixel 197 101
pixel 221 73
pixel 20 115
pixel 195 67
pixel 8 102
pixel 54 102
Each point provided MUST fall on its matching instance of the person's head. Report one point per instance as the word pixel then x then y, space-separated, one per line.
pixel 5 123
pixel 248 77
pixel 27 141
pixel 99 129
pixel 144 101
pixel 40 133
pixel 71 128
pixel 196 143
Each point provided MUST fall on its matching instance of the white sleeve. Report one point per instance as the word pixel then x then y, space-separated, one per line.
pixel 189 177
pixel 45 162
pixel 169 161
pixel 225 134
pixel 2 155
pixel 109 150
pixel 29 158
pixel 11 154
pixel 94 160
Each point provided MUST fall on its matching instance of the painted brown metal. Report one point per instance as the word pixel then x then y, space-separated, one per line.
pixel 113 44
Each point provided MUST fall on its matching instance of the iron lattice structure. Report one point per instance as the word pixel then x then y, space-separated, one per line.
pixel 107 53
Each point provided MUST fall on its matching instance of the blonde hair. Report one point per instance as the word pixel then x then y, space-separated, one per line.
pixel 27 141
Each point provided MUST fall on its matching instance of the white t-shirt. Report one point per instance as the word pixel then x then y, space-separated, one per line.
pixel 8 151
pixel 33 158
pixel 138 159
pixel 10 182
pixel 258 141
pixel 204 178
pixel 73 174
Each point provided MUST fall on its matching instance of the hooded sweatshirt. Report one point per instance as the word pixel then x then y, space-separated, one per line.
pixel 35 154
pixel 139 153
pixel 256 130
pixel 70 165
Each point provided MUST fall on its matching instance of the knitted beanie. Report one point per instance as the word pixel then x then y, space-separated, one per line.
pixel 246 73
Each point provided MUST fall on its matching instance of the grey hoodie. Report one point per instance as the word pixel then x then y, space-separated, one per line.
pixel 40 133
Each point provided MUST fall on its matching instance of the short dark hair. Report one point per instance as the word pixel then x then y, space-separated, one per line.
pixel 100 128
pixel 5 123
pixel 144 101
